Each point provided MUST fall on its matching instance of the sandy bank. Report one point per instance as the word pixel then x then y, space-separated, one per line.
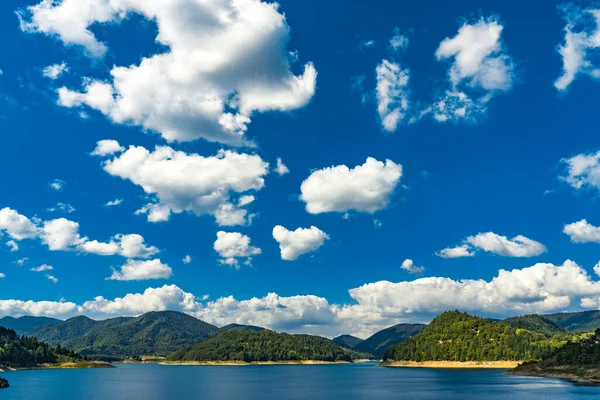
pixel 452 364
pixel 242 363
pixel 82 364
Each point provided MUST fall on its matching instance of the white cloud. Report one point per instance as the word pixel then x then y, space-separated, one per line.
pixel 54 71
pixel 582 232
pixel 281 168
pixel 582 36
pixel 582 171
pixel 62 207
pixel 392 94
pixel 13 245
pixel 61 234
pixel 519 246
pixel 107 147
pixel 245 200
pixel 52 278
pixel 187 259
pixel 57 184
pixel 130 246
pixel 190 182
pixel 301 241
pixel 2 276
pixel 409 266
pixel 398 42
pixel 541 288
pixel 21 261
pixel 17 226
pixel 155 212
pixel 364 188
pixel 136 270
pixel 233 246
pixel 114 202
pixel 42 268
pixel 456 252
pixel 480 67
pixel 224 61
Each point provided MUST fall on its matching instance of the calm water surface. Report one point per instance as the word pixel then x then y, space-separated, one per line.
pixel 345 382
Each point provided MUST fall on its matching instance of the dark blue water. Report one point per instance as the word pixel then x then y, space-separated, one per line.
pixel 335 382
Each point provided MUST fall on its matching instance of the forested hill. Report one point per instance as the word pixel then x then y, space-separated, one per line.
pixel 260 347
pixel 577 360
pixel 238 327
pixel 382 340
pixel 583 321
pixel 72 328
pixel 23 352
pixel 535 323
pixel 347 341
pixel 154 333
pixel 23 324
pixel 456 336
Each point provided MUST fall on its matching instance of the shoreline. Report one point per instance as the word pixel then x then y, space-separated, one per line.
pixel 451 364
pixel 243 363
pixel 588 375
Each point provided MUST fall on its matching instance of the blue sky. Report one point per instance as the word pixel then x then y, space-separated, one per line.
pixel 310 84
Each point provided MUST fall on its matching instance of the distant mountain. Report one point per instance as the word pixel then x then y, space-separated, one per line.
pixel 73 328
pixel 154 333
pixel 261 346
pixel 238 327
pixel 576 321
pixel 347 341
pixel 457 336
pixel 535 323
pixel 23 324
pixel 379 342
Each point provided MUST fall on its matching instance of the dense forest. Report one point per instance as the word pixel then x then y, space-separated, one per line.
pixel 456 336
pixel 261 346
pixel 535 323
pixel 20 352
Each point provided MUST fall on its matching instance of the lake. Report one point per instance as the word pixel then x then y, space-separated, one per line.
pixel 347 382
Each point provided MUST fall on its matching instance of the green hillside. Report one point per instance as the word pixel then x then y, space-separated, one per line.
pixel 535 323
pixel 456 336
pixel 73 328
pixel 260 347
pixel 154 333
pixel 23 352
pixel 577 360
pixel 238 327
pixel 23 324
pixel 347 341
pixel 584 321
pixel 379 342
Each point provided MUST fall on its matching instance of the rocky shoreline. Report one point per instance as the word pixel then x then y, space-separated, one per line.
pixel 589 375
pixel 451 364
pixel 3 383
pixel 243 363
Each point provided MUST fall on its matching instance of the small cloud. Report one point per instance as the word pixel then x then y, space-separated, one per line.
pixel 366 44
pixel 21 261
pixel 2 276
pixel 55 70
pixel 57 184
pixel 42 268
pixel 187 259
pixel 411 268
pixel 205 297
pixel 13 245
pixel 51 278
pixel 114 202
pixel 377 223
pixel 281 168
pixel 398 42
pixel 62 207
